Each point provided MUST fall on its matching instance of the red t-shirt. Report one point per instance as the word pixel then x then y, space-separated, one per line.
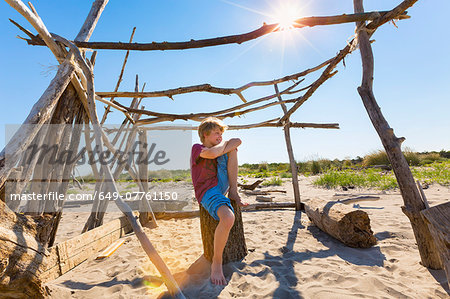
pixel 203 171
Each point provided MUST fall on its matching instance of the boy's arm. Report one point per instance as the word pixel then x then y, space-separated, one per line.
pixel 220 149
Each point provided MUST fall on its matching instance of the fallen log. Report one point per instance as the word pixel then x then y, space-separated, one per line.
pixel 261 198
pixel 251 186
pixel 261 192
pixel 251 207
pixel 438 220
pixel 348 225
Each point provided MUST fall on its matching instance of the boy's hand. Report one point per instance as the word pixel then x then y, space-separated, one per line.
pixel 234 195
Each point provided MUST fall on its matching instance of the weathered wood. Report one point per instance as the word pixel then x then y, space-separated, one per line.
pixel 348 225
pixel 108 108
pixel 262 198
pixel 239 38
pixel 146 215
pixel 155 258
pixel 265 124
pixel 422 194
pixel 392 145
pixel 263 192
pixel 91 20
pixel 350 200
pixel 75 136
pixel 251 207
pixel 270 206
pixel 25 264
pixel 22 257
pixel 251 186
pixel 235 249
pixel 438 220
pixel 73 252
pixel 58 52
pixel 39 114
pixel 292 163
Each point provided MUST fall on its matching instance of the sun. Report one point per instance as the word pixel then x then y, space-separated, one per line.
pixel 285 14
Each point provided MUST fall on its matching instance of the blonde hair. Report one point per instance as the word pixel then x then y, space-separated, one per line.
pixel 209 124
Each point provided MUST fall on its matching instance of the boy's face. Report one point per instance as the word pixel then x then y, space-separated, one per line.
pixel 214 137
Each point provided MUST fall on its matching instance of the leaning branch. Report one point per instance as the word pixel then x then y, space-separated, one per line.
pixel 209 88
pixel 231 39
pixel 198 116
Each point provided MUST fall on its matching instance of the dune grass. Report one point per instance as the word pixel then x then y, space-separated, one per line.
pixel 437 172
pixel 367 178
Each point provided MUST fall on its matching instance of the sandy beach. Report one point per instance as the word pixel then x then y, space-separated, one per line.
pixel 288 256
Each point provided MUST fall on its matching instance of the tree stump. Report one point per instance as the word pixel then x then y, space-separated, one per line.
pixel 235 249
pixel 348 225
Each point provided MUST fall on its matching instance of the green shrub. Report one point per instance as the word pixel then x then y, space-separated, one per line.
pixel 437 172
pixel 285 175
pixel 275 181
pixel 375 158
pixel 347 164
pixel 315 167
pixel 302 167
pixel 411 157
pixel 262 167
pixel 370 178
pixel 429 158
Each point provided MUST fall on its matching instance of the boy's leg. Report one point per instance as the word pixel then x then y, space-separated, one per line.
pixel 232 177
pixel 226 221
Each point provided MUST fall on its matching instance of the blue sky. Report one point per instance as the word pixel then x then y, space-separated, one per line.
pixel 412 62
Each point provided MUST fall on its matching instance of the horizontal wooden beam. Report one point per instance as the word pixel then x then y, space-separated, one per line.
pixel 250 207
pixel 231 39
pixel 241 127
pixel 68 254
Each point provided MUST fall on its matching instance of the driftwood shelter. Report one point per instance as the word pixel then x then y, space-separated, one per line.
pixel 28 253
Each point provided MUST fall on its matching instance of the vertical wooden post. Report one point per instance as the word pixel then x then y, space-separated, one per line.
pixel 145 212
pixel 294 171
pixel 392 145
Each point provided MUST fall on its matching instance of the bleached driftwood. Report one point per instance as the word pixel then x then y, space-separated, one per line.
pixel 23 258
pixel 251 207
pixel 292 163
pixel 239 38
pixel 411 196
pixel 39 114
pixel 169 280
pixel 251 186
pixel 348 225
pixel 108 108
pixel 438 220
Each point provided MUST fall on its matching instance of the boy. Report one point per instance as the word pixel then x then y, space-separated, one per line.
pixel 214 170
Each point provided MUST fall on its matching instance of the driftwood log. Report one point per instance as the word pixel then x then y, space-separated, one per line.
pixel 235 249
pixel 438 220
pixel 22 256
pixel 251 186
pixel 348 225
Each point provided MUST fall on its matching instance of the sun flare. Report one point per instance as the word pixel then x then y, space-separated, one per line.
pixel 285 13
pixel 285 17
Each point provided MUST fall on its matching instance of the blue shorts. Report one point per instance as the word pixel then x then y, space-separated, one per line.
pixel 215 196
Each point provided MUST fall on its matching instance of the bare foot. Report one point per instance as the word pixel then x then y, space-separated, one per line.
pixel 217 276
pixel 234 195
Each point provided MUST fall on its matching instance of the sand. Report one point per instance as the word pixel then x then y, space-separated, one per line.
pixel 288 256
